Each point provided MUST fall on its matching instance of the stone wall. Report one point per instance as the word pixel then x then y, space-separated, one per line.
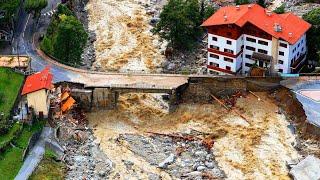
pixel 197 90
pixel 200 88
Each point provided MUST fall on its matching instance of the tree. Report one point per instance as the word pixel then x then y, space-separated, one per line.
pixel 262 3
pixel 65 37
pixel 239 2
pixel 280 9
pixel 180 23
pixel 35 6
pixel 206 10
pixel 313 35
pixel 8 9
pixel 70 40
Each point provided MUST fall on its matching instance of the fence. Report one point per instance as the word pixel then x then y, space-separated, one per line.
pixel 140 86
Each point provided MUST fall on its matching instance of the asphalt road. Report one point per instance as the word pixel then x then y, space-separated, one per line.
pixel 22 43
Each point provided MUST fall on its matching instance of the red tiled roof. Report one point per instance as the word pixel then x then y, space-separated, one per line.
pixel 38 81
pixel 257 16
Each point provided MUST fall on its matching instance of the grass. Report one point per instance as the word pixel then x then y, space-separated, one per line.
pixel 7 138
pixel 10 83
pixel 11 158
pixel 27 132
pixel 48 168
pixel 10 163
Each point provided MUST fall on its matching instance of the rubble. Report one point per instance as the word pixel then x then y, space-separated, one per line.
pixel 206 140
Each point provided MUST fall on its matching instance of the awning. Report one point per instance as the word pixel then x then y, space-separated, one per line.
pixel 261 57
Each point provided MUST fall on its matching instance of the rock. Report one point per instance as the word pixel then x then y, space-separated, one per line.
pixel 208 157
pixel 169 160
pixel 171 66
pixel 201 168
pixel 200 153
pixel 102 173
pixel 97 142
pixel 209 165
pixel 193 174
pixel 152 176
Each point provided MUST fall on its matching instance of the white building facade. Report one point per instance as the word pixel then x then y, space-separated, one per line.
pixel 234 49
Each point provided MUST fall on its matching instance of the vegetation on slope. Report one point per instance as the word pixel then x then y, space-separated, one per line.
pixel 180 22
pixel 49 168
pixel 35 6
pixel 10 83
pixel 65 38
pixel 10 8
pixel 11 158
pixel 313 35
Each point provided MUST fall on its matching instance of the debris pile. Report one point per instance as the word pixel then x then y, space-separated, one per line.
pixel 176 145
pixel 83 157
pixel 180 155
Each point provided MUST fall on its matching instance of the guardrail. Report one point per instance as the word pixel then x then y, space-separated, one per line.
pixel 141 86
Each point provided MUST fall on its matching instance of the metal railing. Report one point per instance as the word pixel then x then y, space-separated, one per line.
pixel 141 86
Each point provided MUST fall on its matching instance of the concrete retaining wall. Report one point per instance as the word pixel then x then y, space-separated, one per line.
pixel 199 89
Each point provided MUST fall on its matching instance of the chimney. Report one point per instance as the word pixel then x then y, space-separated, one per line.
pixel 225 17
pixel 290 34
pixel 249 6
pixel 238 7
pixel 277 27
pixel 269 13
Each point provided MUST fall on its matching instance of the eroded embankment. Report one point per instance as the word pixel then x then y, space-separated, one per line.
pixel 308 140
pixel 242 150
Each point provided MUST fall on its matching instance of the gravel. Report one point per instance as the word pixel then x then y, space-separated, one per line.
pixel 180 159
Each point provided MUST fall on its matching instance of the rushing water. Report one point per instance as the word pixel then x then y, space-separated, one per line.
pixel 311 107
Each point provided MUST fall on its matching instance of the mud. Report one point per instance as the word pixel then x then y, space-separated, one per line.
pixel 123 38
pixel 258 148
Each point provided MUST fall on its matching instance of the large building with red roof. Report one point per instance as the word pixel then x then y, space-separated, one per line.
pixel 240 37
pixel 36 89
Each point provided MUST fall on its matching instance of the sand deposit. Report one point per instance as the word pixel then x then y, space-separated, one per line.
pixel 242 151
pixel 123 38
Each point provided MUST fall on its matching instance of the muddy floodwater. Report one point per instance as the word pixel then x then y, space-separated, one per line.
pixel 124 41
pixel 254 149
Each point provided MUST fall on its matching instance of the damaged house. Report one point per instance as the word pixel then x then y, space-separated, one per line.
pixel 36 90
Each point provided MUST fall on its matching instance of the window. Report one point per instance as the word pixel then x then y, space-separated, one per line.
pixel 214 47
pixel 283 45
pixel 263 42
pixel 242 46
pixel 250 39
pixel 214 38
pixel 228 50
pixel 250 48
pixel 299 45
pixel 229 42
pixel 302 49
pixel 248 64
pixel 228 68
pixel 248 56
pixel 281 53
pixel 214 56
pixel 280 62
pixel 262 51
pixel 228 59
pixel 214 64
pixel 280 70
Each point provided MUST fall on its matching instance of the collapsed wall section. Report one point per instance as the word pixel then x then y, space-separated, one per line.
pixel 200 88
